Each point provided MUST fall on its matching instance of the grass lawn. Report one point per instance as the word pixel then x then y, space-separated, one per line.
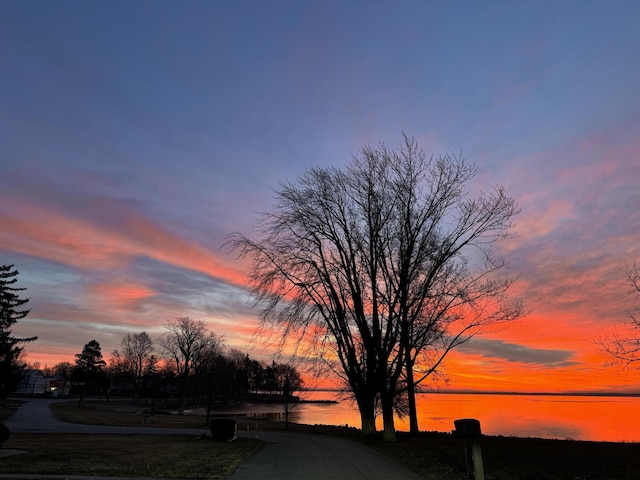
pixel 433 455
pixel 176 456
pixel 441 456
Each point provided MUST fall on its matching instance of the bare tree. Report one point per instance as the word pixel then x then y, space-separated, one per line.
pixel 439 300
pixel 359 258
pixel 624 348
pixel 183 343
pixel 289 381
pixel 211 371
pixel 462 304
pixel 136 358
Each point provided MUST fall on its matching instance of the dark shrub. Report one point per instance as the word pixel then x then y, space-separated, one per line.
pixel 223 429
pixel 5 433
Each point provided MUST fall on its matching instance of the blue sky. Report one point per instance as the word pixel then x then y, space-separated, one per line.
pixel 135 136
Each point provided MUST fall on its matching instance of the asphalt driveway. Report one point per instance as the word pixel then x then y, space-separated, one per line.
pixel 309 456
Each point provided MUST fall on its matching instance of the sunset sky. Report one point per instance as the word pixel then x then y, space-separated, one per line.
pixel 135 136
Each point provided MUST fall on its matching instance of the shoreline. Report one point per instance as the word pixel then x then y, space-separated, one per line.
pixel 509 393
pixel 329 413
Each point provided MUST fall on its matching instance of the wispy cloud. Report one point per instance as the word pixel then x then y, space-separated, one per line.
pixel 515 353
pixel 111 239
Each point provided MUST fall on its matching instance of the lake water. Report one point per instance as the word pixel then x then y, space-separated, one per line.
pixel 597 418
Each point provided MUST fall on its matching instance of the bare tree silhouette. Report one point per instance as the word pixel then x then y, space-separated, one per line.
pixel 624 347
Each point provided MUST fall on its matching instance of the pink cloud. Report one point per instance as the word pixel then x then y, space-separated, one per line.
pixel 87 244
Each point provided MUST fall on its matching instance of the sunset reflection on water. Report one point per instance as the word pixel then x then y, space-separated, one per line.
pixel 613 419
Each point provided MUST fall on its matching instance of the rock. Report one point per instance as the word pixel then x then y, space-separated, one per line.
pixel 5 433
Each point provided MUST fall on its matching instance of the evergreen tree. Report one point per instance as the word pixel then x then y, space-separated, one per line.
pixel 11 310
pixel 88 371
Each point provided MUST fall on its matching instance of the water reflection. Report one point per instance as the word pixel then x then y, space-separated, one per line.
pixel 564 417
pixel 580 418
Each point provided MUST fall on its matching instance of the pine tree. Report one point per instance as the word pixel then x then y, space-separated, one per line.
pixel 88 371
pixel 11 310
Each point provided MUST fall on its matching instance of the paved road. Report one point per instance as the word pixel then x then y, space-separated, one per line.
pixel 35 417
pixel 286 455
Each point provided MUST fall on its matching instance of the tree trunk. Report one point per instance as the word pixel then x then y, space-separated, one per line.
pixel 82 395
pixel 209 404
pixel 389 429
pixel 182 395
pixel 367 423
pixel 367 414
pixel 411 394
pixel 136 389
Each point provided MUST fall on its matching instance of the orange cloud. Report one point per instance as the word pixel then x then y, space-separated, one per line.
pixel 123 293
pixel 88 245
pixel 532 224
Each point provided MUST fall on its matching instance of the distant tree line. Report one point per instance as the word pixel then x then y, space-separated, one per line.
pixel 188 363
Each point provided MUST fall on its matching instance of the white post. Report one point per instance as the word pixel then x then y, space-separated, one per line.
pixel 476 455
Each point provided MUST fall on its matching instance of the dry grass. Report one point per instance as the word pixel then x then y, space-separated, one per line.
pixel 117 413
pixel 175 456
pixel 441 456
pixel 7 408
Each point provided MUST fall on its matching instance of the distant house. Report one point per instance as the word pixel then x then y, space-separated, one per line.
pixel 56 386
pixel 32 383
